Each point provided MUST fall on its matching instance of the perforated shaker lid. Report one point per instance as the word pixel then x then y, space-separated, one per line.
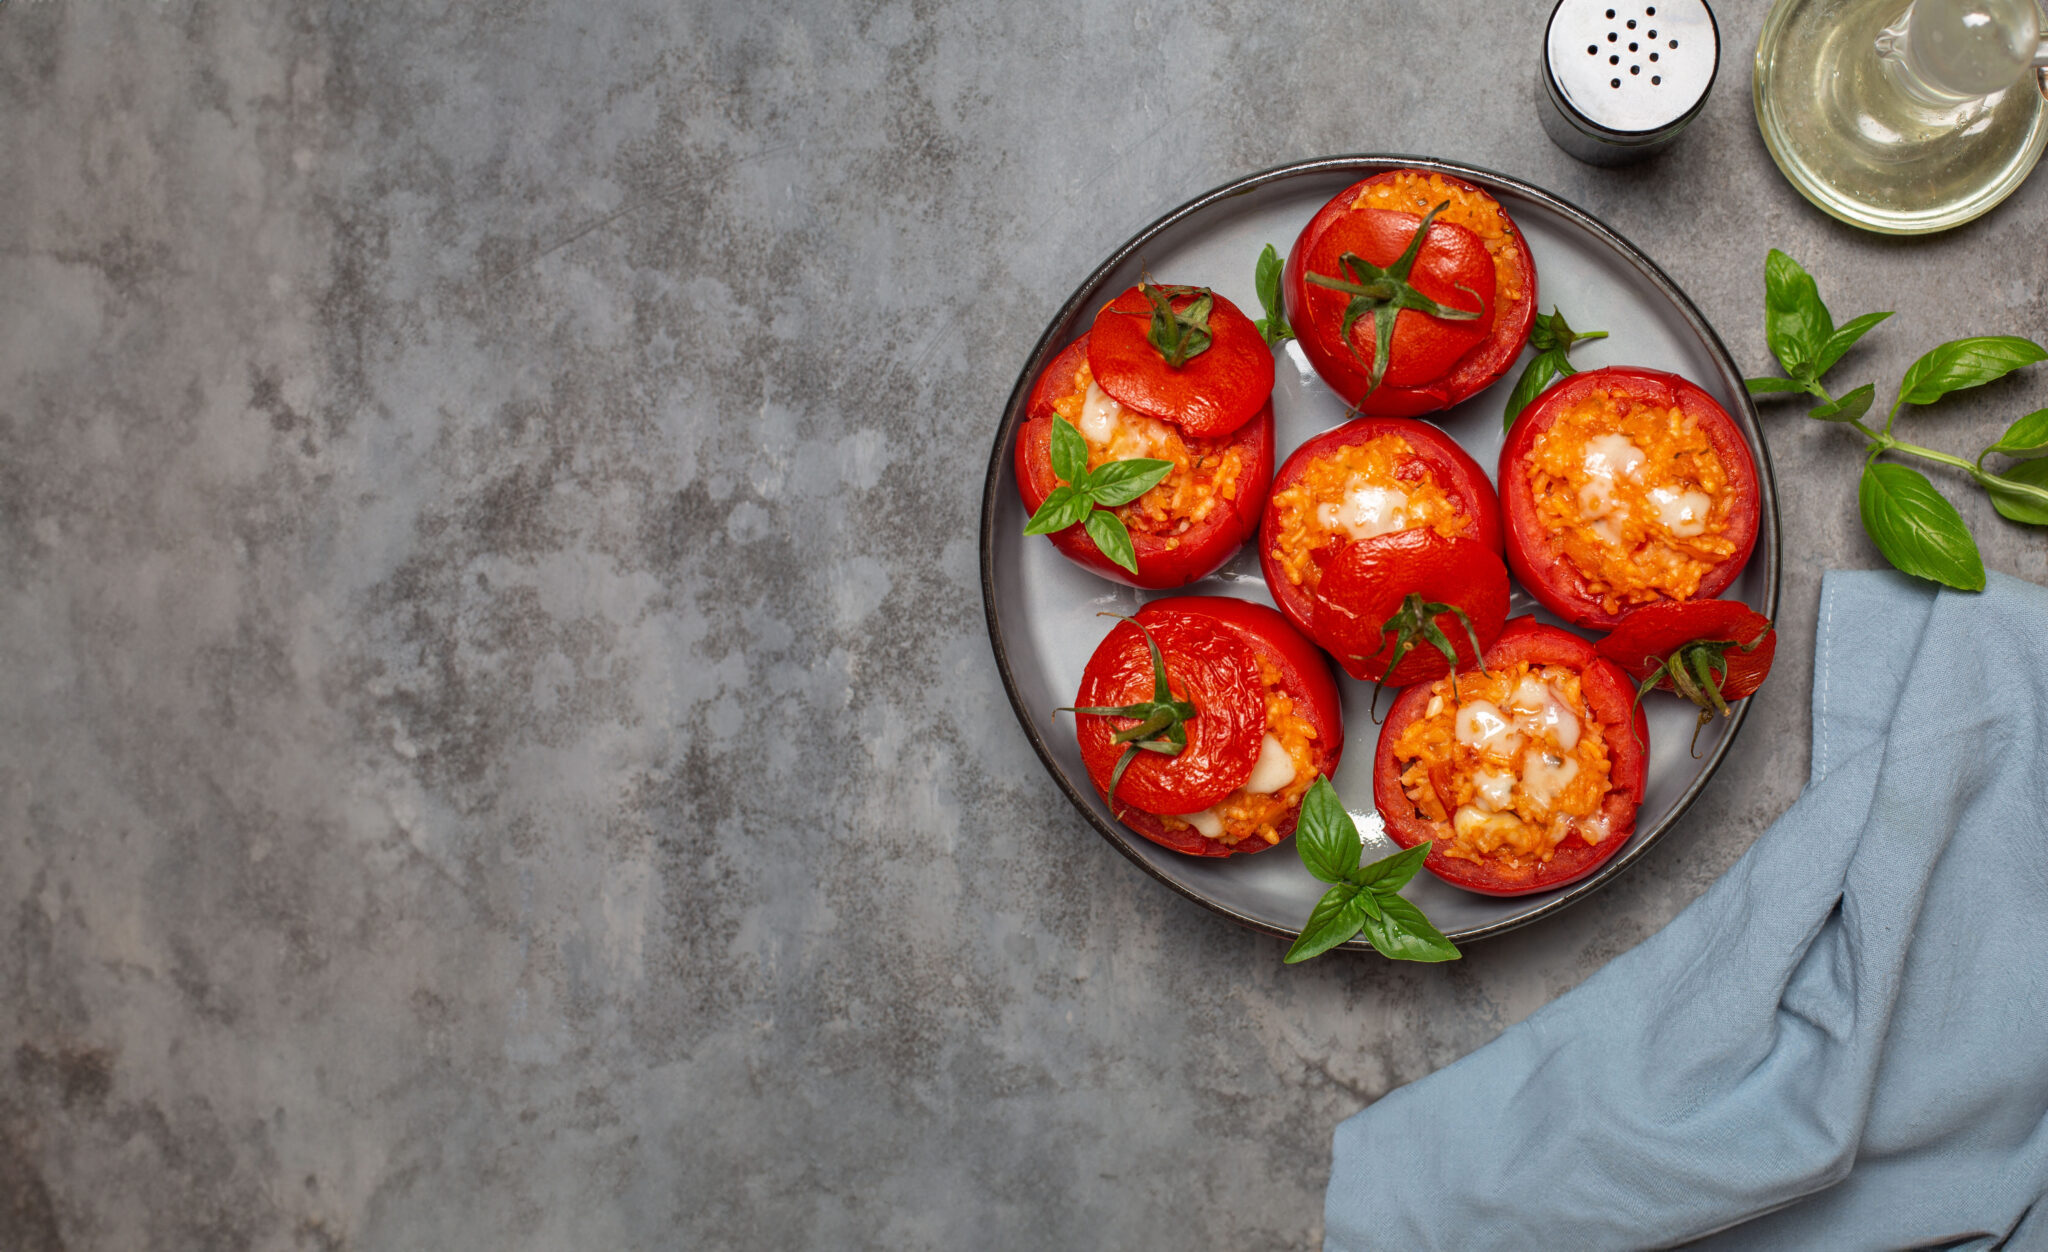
pixel 1632 68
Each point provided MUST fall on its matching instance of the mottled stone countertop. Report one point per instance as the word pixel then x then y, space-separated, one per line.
pixel 501 747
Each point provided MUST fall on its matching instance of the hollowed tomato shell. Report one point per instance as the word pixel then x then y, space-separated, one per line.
pixel 1212 394
pixel 1652 633
pixel 1609 696
pixel 1365 582
pixel 1532 552
pixel 1163 562
pixel 1437 456
pixel 1304 675
pixel 1448 382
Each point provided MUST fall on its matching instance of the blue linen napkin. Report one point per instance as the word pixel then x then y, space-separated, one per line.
pixel 1842 1044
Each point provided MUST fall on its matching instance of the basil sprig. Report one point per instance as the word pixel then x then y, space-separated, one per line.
pixel 1912 523
pixel 1383 293
pixel 1266 278
pixel 1361 898
pixel 1162 721
pixel 1086 496
pixel 1552 337
pixel 1179 335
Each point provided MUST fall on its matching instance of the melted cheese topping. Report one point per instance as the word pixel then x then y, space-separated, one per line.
pixel 1634 496
pixel 1513 765
pixel 1356 491
pixel 1285 769
pixel 1204 474
pixel 1417 193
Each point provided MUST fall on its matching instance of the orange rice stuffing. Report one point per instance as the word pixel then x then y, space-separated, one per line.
pixel 1556 791
pixel 1247 814
pixel 1635 535
pixel 1204 474
pixel 1307 507
pixel 1412 192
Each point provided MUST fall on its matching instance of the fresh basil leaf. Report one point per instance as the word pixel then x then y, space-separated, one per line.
pixel 1065 506
pixel 1543 337
pixel 1766 386
pixel 1392 873
pixel 1536 375
pixel 1843 339
pixel 1069 451
pixel 1916 527
pixel 2011 496
pixel 1796 323
pixel 1113 537
pixel 1964 363
pixel 1402 933
pixel 2026 438
pixel 1335 918
pixel 1325 837
pixel 1120 482
pixel 1266 278
pixel 1848 406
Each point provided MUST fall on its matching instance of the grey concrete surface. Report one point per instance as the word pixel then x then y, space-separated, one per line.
pixel 500 747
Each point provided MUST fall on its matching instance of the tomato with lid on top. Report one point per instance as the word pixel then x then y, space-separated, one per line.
pixel 1711 652
pixel 1217 765
pixel 1526 776
pixel 1369 477
pixel 1449 317
pixel 1625 487
pixel 1183 528
pixel 1401 608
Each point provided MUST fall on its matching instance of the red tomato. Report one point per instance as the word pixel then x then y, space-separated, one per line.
pixel 1533 553
pixel 1188 630
pixel 1437 457
pixel 1609 697
pixel 1211 394
pixel 1164 561
pixel 1435 362
pixel 1649 636
pixel 1366 583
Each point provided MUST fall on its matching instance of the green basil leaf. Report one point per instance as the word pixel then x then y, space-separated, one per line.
pixel 2026 438
pixel 1113 537
pixel 1796 323
pixel 1065 506
pixel 1543 337
pixel 1916 527
pixel 1766 386
pixel 1844 339
pixel 1536 375
pixel 1402 933
pixel 1266 278
pixel 1069 451
pixel 1325 837
pixel 1335 918
pixel 1846 407
pixel 1392 873
pixel 1120 482
pixel 2011 497
pixel 1963 363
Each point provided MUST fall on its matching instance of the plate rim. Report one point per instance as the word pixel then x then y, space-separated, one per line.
pixel 1366 164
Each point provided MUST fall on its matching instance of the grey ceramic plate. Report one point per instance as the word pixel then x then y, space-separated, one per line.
pixel 1043 609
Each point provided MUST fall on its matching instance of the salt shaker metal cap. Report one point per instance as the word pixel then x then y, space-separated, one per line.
pixel 1621 78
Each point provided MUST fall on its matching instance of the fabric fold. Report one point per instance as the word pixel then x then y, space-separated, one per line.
pixel 1841 1043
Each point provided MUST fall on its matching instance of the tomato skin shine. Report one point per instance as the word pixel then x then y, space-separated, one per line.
pixel 1609 696
pixel 1212 393
pixel 1163 561
pixel 1200 638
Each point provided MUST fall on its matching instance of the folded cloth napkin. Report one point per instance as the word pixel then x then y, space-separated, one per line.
pixel 1842 1044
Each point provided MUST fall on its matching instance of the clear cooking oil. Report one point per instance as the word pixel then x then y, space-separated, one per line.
pixel 1902 117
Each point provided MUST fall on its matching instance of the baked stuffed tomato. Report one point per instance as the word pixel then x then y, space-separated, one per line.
pixel 1621 488
pixel 1524 778
pixel 1203 720
pixel 1195 497
pixel 1363 483
pixel 1410 606
pixel 1410 291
